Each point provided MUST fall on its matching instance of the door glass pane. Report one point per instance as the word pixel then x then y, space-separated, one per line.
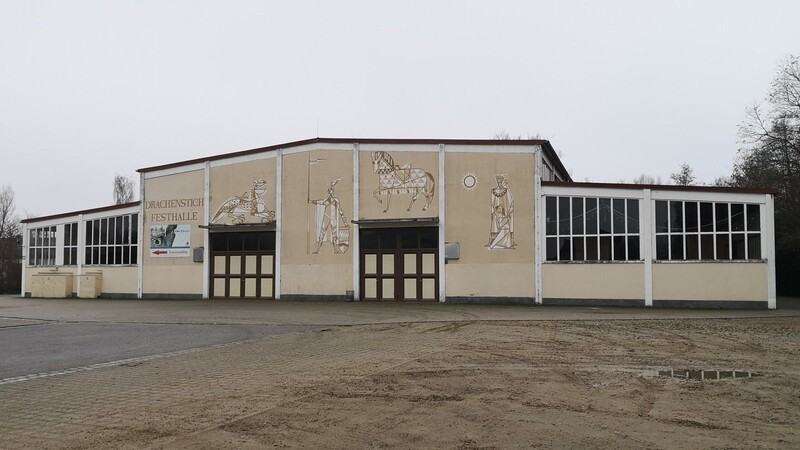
pixel 409 238
pixel 429 237
pixel 250 267
pixel 235 287
pixel 369 239
pixel 236 264
pixel 266 288
pixel 219 287
pixel 267 263
pixel 388 238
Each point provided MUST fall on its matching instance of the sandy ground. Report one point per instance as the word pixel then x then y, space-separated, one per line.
pixel 549 384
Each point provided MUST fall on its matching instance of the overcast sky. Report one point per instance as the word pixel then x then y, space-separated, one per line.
pixel 620 88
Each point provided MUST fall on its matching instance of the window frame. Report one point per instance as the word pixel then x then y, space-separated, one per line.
pixel 598 235
pixel 37 246
pixel 746 232
pixel 101 247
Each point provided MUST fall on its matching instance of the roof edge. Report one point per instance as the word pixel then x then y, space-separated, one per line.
pixel 662 187
pixel 548 148
pixel 83 211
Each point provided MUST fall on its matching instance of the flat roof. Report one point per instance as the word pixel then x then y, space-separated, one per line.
pixel 546 146
pixel 83 211
pixel 661 187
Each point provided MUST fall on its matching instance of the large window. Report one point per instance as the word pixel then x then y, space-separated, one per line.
pixel 112 240
pixel 592 229
pixel 42 246
pixel 707 230
pixel 71 244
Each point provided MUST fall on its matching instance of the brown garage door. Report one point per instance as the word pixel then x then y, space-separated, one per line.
pixel 400 264
pixel 243 265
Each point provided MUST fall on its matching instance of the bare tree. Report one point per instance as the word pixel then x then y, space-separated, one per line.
pixel 647 179
pixel 123 189
pixel 504 135
pixel 10 239
pixel 769 157
pixel 684 176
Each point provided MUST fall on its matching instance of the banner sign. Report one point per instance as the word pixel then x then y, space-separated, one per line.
pixel 170 241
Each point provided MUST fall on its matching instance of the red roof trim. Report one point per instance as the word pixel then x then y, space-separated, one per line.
pixel 661 187
pixel 84 211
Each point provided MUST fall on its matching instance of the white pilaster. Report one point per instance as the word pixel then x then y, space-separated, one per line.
pixel 538 225
pixel 769 237
pixel 278 221
pixel 355 246
pixel 647 242
pixel 442 265
pixel 206 237
pixel 25 261
pixel 81 251
pixel 140 241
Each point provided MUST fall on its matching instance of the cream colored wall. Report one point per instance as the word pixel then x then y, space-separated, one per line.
pixel 593 281
pixel 116 280
pixel 167 275
pixel 302 271
pixel 235 180
pixel 710 281
pixel 370 208
pixel 481 271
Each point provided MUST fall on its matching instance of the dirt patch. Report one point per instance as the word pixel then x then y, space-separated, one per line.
pixel 441 385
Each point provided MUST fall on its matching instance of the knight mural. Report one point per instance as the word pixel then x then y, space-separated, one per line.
pixel 395 179
pixel 501 229
pixel 330 222
pixel 250 203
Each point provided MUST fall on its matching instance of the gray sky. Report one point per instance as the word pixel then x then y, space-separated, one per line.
pixel 90 89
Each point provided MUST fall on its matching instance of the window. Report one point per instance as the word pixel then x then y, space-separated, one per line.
pixel 112 241
pixel 71 244
pixel 42 246
pixel 689 230
pixel 592 229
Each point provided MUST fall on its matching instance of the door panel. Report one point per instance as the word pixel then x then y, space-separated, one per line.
pixel 243 265
pixel 399 264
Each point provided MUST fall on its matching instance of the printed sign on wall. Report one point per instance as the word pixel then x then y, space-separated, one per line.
pixel 170 241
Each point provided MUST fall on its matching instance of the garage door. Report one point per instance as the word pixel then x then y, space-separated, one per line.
pixel 243 265
pixel 400 264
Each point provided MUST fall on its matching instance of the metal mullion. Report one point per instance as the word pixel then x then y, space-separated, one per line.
pixel 669 231
pixel 570 230
pixel 730 233
pixel 714 228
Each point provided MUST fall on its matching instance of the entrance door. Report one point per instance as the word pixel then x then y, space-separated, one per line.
pixel 242 265
pixel 400 264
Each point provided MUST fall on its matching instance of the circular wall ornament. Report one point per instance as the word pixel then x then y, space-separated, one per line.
pixel 469 181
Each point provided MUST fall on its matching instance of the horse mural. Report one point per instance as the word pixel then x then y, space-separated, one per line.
pixel 394 179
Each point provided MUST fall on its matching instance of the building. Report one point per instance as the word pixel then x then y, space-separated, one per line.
pixel 410 219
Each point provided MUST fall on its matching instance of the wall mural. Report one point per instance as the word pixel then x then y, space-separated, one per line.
pixel 501 232
pixel 394 179
pixel 250 203
pixel 330 224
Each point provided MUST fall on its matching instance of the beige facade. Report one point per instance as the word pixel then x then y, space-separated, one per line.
pixel 421 220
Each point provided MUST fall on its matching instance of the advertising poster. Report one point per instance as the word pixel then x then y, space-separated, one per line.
pixel 170 241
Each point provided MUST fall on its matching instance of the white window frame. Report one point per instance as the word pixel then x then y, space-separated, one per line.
pixel 70 244
pixel 110 242
pixel 36 243
pixel 714 233
pixel 571 236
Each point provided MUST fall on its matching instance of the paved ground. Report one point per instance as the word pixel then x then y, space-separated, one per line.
pixel 422 376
